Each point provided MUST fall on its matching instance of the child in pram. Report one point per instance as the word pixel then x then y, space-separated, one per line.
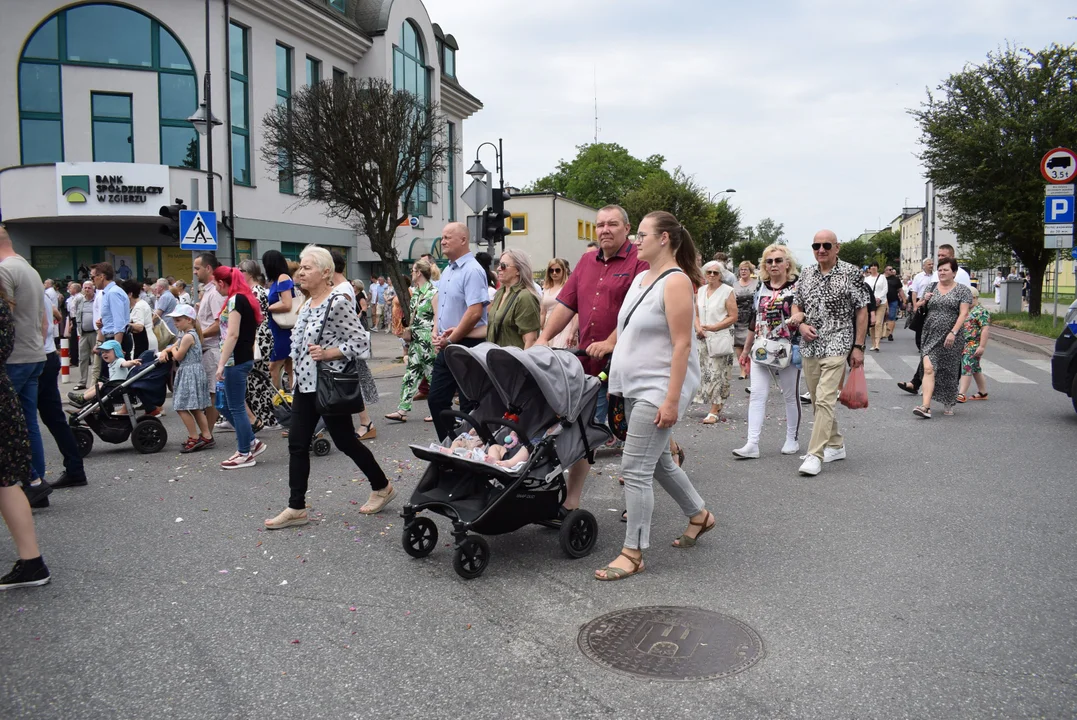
pixel 506 451
pixel 118 370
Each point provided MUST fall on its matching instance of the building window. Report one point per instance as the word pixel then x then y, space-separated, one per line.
pixel 241 131
pixel 112 130
pixel 411 74
pixel 314 70
pixel 451 189
pixel 104 35
pixel 339 75
pixel 285 179
pixel 517 224
pixel 579 230
pixel 339 5
pixel 448 61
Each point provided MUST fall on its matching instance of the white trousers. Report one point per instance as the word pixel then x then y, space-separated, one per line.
pixel 789 383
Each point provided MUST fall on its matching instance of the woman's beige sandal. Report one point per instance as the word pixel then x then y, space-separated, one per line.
pixel 288 518
pixel 378 500
pixel 616 573
pixel 687 541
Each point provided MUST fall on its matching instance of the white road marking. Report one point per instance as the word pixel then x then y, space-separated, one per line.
pixel 874 371
pixel 912 361
pixel 1044 365
pixel 1000 374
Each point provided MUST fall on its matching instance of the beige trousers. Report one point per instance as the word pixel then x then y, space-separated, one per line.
pixel 824 382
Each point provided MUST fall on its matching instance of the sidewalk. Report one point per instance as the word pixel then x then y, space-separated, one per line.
pixel 1029 342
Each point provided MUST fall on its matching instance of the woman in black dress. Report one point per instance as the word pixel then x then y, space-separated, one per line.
pixel 29 569
pixel 942 341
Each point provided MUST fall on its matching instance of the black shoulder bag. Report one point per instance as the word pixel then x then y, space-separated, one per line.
pixel 916 322
pixel 338 391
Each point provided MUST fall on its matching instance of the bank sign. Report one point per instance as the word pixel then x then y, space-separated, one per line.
pixel 104 189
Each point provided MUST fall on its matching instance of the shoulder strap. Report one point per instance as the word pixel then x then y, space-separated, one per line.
pixel 325 318
pixel 644 295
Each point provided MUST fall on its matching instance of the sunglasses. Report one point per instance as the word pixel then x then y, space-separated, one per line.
pixel 778 261
pixel 503 266
pixel 553 270
pixel 824 246
pixel 713 272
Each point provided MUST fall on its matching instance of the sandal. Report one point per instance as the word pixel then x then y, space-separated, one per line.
pixel 686 540
pixel 616 573
pixel 288 518
pixel 677 451
pixel 948 412
pixel 921 411
pixel 428 419
pixel 369 433
pixel 378 499
pixel 398 416
pixel 961 398
pixel 979 396
pixel 711 419
pixel 907 387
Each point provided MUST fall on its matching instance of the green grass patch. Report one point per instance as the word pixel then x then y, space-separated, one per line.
pixel 1021 321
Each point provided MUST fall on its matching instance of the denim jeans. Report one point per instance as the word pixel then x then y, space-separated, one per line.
pixel 646 458
pixel 52 413
pixel 25 377
pixel 235 393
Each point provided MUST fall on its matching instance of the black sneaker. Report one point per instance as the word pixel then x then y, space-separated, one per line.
pixel 38 504
pixel 36 493
pixel 890 338
pixel 26 573
pixel 66 481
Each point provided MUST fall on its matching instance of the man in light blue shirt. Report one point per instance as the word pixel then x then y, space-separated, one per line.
pixel 115 305
pixel 376 301
pixel 462 301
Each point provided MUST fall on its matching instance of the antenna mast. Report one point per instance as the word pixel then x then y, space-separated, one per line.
pixel 595 71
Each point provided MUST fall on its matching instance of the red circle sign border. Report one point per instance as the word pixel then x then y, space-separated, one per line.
pixel 1043 166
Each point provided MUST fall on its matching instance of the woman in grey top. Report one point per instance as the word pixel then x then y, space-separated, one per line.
pixel 327 331
pixel 655 368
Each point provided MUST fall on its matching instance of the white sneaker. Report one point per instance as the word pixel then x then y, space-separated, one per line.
pixel 748 451
pixel 223 425
pixel 832 454
pixel 791 447
pixel 811 466
pixel 257 448
pixel 806 398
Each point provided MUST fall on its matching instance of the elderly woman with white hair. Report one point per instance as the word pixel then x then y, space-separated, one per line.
pixel 716 312
pixel 326 331
pixel 515 310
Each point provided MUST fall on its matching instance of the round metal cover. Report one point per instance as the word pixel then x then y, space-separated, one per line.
pixel 671 643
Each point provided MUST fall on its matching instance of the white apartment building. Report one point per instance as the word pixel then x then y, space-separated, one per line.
pixel 546 225
pixel 912 240
pixel 98 140
pixel 937 231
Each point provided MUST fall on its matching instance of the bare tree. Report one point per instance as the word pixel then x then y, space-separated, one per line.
pixel 366 151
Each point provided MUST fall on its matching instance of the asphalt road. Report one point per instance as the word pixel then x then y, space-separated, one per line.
pixel 929 575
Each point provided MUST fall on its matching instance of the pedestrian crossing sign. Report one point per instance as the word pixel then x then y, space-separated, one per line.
pixel 198 230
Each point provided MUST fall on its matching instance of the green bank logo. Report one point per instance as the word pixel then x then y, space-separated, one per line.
pixel 75 187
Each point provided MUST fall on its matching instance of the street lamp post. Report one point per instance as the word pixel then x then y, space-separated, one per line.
pixel 720 192
pixel 204 120
pixel 479 172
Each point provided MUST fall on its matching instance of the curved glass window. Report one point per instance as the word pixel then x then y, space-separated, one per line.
pixel 105 35
pixel 411 74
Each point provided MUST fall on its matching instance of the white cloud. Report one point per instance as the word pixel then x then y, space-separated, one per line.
pixel 801 105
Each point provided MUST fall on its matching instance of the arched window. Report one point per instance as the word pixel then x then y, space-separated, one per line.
pixel 105 35
pixel 410 73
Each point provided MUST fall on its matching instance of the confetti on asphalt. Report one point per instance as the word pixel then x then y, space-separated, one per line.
pixel 282 582
pixel 352 608
pixel 223 572
pixel 295 642
pixel 179 519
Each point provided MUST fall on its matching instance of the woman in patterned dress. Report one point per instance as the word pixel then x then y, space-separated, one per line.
pixel 29 569
pixel 941 342
pixel 744 288
pixel 977 328
pixel 419 336
pixel 260 390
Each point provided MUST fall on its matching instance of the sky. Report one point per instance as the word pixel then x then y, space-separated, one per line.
pixel 799 105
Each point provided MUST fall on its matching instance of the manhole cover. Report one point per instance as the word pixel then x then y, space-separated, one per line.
pixel 671 643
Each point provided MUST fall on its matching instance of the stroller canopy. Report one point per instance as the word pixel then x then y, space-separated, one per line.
pixel 557 376
pixel 469 367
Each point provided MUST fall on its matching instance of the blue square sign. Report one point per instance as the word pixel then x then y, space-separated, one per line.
pixel 1058 209
pixel 198 230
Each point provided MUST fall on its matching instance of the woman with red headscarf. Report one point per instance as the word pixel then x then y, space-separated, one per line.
pixel 239 318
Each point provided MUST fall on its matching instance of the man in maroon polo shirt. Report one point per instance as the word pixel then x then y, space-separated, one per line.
pixel 595 291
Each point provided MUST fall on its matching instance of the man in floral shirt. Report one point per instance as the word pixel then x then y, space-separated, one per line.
pixel 833 299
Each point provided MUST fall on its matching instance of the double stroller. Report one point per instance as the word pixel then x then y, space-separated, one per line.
pixel 148 384
pixel 546 399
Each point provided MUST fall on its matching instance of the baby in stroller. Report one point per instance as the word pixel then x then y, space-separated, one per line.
pixel 506 451
pixel 118 370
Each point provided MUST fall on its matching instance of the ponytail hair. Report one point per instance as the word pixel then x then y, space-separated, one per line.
pixel 680 240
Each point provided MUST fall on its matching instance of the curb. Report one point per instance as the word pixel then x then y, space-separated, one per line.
pixel 1021 340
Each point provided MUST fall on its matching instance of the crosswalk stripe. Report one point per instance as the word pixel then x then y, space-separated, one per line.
pixel 1000 374
pixel 873 370
pixel 912 361
pixel 1044 365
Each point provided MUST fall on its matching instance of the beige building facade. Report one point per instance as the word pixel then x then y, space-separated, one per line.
pixel 912 233
pixel 549 225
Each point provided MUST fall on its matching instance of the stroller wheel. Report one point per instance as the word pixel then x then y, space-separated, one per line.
pixel 321 447
pixel 470 557
pixel 579 532
pixel 84 440
pixel 420 537
pixel 149 436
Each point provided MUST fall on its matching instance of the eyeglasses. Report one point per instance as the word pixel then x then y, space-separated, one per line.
pixel 776 261
pixel 713 272
pixel 640 236
pixel 824 246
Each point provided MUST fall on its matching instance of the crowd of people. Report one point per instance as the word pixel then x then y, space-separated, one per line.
pixel 657 324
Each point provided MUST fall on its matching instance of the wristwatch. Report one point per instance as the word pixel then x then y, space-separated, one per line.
pixel 858 347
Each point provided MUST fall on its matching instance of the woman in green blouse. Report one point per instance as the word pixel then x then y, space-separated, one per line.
pixel 514 312
pixel 419 336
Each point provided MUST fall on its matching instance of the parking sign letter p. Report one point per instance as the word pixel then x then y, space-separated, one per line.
pixel 1059 207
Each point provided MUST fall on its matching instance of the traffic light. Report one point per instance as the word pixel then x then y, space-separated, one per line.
pixel 493 218
pixel 171 213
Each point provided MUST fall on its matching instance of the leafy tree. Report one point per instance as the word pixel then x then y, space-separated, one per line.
pixel 600 174
pixel 858 252
pixel 769 232
pixel 723 232
pixel 677 194
pixel 366 149
pixel 887 248
pixel 750 248
pixel 983 137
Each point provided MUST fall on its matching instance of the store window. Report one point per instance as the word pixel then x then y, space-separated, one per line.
pixel 113 133
pixel 104 35
pixel 241 133
pixel 285 180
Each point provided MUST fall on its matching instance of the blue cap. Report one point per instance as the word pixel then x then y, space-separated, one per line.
pixel 110 345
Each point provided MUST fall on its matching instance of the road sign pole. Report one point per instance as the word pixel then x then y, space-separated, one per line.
pixel 1058 262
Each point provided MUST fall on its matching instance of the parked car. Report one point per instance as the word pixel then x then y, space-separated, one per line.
pixel 1064 361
